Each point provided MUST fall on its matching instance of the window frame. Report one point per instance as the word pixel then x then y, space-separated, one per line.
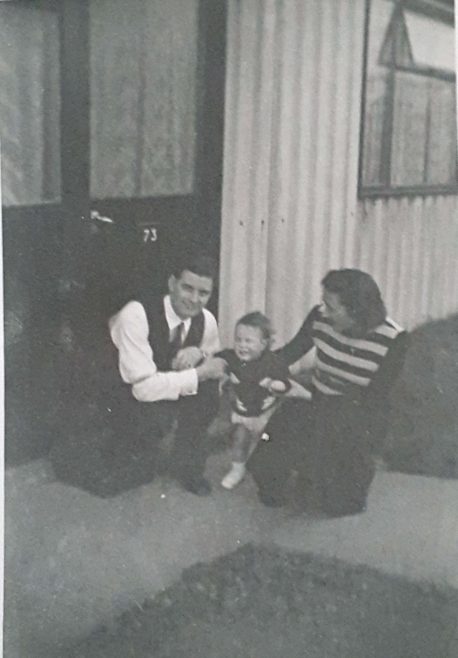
pixel 387 189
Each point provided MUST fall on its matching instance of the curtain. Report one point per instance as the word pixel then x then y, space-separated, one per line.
pixel 143 97
pixel 373 128
pixel 410 123
pixel 442 153
pixel 29 105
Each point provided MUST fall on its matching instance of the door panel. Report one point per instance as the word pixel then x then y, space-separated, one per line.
pixel 30 135
pixel 112 107
pixel 144 89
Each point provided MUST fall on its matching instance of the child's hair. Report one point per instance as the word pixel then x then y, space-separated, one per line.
pixel 259 321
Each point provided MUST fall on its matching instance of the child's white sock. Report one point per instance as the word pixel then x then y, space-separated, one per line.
pixel 235 475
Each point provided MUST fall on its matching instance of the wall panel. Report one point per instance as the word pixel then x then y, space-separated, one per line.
pixel 290 207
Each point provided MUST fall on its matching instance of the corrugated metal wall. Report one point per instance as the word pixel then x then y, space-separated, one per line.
pixel 290 208
pixel 411 248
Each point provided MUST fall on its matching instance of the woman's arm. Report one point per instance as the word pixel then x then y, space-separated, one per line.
pixel 302 341
pixel 391 367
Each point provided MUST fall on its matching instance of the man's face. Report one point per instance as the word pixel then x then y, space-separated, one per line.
pixel 189 293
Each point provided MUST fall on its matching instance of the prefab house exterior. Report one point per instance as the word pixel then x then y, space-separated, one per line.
pixel 290 136
pixel 339 151
pixel 287 137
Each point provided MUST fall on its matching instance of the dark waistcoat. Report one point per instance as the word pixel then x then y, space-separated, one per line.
pixel 113 388
pixel 159 335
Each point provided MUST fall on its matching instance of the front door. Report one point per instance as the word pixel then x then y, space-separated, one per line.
pixel 111 132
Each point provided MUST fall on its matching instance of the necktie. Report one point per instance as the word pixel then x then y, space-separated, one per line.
pixel 176 343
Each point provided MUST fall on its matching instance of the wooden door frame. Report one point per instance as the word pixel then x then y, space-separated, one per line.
pixel 58 232
pixel 199 212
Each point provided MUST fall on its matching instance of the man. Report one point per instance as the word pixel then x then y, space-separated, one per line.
pixel 165 349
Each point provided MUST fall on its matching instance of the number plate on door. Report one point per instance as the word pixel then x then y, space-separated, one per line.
pixel 150 234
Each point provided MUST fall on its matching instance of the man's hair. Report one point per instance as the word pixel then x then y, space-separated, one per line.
pixel 199 264
pixel 360 295
pixel 259 321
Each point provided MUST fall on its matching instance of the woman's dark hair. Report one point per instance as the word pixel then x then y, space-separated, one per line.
pixel 259 321
pixel 360 295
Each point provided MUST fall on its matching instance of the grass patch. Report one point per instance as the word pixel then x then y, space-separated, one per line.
pixel 268 602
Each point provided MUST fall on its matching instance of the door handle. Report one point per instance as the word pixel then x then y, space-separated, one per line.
pixel 95 215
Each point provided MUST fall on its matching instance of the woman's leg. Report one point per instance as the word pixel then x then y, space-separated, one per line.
pixel 346 460
pixel 273 462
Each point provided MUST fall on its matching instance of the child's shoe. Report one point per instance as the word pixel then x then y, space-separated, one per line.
pixel 235 475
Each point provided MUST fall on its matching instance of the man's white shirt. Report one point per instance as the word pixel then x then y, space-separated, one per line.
pixel 129 332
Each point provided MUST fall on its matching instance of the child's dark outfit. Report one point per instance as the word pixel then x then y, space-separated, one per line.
pixel 252 404
pixel 250 400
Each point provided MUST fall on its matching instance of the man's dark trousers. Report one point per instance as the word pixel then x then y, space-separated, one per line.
pixel 137 429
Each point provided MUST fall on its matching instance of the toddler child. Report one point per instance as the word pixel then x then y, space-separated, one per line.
pixel 257 377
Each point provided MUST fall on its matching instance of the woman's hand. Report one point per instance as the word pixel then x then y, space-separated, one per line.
pixel 277 386
pixel 274 386
pixel 298 391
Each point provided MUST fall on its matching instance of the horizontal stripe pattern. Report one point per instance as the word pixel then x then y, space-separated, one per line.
pixel 323 388
pixel 348 367
pixel 346 357
pixel 375 355
pixel 343 362
pixel 341 373
pixel 377 346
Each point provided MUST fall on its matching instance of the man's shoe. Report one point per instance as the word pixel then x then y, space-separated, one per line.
pixel 198 486
pixel 270 501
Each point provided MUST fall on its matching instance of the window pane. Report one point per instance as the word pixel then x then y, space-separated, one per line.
pixel 409 133
pixel 432 42
pixel 442 152
pixel 380 14
pixel 143 96
pixel 373 129
pixel 29 105
pixel 409 129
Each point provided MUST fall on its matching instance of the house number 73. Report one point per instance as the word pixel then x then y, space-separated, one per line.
pixel 150 234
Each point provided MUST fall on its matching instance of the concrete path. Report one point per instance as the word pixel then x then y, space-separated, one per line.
pixel 410 529
pixel 74 561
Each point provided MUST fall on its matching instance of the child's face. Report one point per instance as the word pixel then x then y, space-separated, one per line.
pixel 249 342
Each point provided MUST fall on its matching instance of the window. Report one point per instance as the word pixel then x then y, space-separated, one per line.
pixel 409 138
pixel 29 104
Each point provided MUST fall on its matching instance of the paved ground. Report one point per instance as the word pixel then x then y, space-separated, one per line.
pixel 74 561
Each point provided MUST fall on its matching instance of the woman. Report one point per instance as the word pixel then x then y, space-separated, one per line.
pixel 329 442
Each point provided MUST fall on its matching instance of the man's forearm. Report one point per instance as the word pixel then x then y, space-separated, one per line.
pixel 166 386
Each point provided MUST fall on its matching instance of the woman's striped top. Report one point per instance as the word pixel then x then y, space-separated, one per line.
pixel 342 362
pixel 346 365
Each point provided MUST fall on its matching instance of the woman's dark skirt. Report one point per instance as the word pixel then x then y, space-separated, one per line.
pixel 326 446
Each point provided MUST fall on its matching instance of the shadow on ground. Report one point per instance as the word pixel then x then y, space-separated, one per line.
pixel 269 602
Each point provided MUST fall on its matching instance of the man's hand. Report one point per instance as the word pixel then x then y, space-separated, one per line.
pixel 188 357
pixel 211 368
